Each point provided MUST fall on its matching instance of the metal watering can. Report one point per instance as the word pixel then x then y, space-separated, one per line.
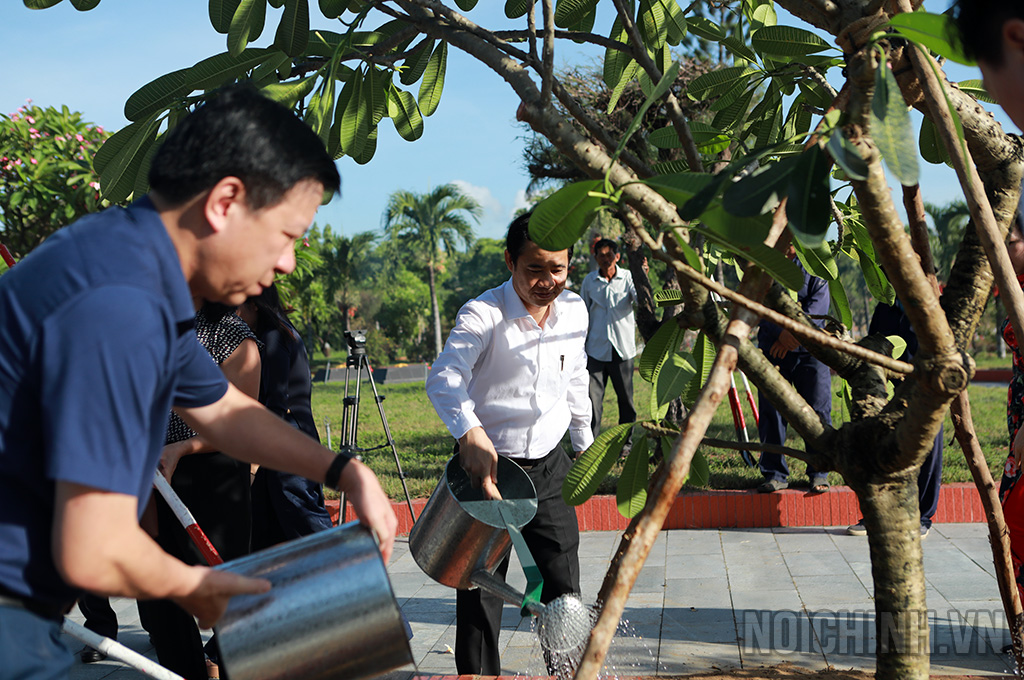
pixel 331 613
pixel 461 537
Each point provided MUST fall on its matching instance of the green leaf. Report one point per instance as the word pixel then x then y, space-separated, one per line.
pixel 676 20
pixel 700 471
pixel 890 128
pixel 787 41
pixel 875 279
pixel 717 83
pixel 321 105
pixel 615 61
pixel 976 89
pixel 354 119
pixel 405 113
pixel 568 13
pixel 141 186
pixel 815 94
pixel 653 28
pixel 668 297
pixel 663 344
pixel 932 31
pixel 365 155
pixel 631 493
pixel 739 49
pixel 214 71
pixel 560 219
pixel 117 179
pixel 332 9
pixel 416 62
pixel 899 345
pixel 592 467
pixel 732 235
pixel 840 302
pixel 466 5
pixel 728 116
pixel 628 74
pixel 433 80
pixel 932 148
pixel 293 32
pixel 760 191
pixel 705 136
pixel 85 5
pixel 846 156
pixel 809 209
pixel 670 382
pixel 703 354
pixel 516 8
pixel 763 15
pixel 246 25
pixel 818 260
pixel 705 28
pixel 157 95
pixel 221 13
pixel 288 94
pixel 41 4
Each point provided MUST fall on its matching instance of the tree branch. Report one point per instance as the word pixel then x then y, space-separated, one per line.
pixel 547 70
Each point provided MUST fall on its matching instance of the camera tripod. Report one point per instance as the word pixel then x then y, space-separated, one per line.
pixel 358 361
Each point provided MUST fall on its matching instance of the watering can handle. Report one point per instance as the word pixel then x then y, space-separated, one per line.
pixel 534 580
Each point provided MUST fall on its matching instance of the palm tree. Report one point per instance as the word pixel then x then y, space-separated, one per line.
pixel 430 226
pixel 950 221
pixel 343 258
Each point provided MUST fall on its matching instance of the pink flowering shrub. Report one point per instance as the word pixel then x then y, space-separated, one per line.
pixel 47 179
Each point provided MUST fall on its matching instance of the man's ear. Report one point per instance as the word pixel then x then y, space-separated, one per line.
pixel 508 261
pixel 1013 38
pixel 223 199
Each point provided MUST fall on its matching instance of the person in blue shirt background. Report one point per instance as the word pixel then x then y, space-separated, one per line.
pixel 810 377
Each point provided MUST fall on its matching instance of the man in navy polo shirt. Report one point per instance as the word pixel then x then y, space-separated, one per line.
pixel 96 345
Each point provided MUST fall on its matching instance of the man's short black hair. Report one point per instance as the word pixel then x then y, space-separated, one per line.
pixel 980 27
pixel 517 236
pixel 606 243
pixel 240 133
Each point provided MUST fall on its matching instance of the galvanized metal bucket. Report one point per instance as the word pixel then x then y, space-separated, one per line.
pixel 330 614
pixel 456 535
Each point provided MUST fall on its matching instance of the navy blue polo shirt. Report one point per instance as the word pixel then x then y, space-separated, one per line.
pixel 96 345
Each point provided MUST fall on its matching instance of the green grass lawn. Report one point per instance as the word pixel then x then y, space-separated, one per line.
pixel 424 444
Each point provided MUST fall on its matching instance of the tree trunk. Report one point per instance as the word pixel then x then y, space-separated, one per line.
pixel 893 521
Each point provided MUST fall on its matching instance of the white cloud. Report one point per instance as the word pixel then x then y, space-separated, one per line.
pixel 521 202
pixel 494 220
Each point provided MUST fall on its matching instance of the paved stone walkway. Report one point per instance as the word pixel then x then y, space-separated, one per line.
pixel 719 599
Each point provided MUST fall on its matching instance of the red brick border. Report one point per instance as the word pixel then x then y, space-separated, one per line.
pixel 744 509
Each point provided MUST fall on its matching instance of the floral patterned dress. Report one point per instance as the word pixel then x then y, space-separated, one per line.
pixel 1011 494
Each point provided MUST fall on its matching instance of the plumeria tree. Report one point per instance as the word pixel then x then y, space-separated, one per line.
pixel 47 179
pixel 792 146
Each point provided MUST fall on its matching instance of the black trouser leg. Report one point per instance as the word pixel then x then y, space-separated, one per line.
pixel 553 538
pixel 621 374
pixel 99 616
pixel 598 380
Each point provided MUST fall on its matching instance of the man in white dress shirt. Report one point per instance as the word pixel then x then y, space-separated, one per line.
pixel 511 379
pixel 610 296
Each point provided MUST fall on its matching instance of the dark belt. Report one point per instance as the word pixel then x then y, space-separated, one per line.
pixel 53 612
pixel 530 463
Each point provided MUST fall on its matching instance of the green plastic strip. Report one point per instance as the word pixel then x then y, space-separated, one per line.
pixel 534 581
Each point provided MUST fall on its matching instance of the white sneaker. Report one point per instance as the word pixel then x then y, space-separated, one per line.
pixel 857 529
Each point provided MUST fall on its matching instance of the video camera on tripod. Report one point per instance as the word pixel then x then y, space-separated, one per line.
pixel 357 359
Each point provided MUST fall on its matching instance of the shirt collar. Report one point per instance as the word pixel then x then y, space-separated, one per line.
pixel 172 278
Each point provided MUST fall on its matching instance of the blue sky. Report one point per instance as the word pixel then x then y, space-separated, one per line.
pixel 92 61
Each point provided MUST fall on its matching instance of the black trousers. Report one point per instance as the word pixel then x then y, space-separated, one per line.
pixel 621 373
pixel 553 537
pixel 99 616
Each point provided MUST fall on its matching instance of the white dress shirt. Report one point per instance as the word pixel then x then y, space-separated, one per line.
pixel 610 304
pixel 522 383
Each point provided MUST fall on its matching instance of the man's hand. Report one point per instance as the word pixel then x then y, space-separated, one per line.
pixel 214 588
pixel 480 461
pixel 784 345
pixel 372 505
pixel 169 457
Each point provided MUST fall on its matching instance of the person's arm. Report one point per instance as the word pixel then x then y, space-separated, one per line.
pixel 448 390
pixel 98 546
pixel 242 369
pixel 241 427
pixel 578 395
